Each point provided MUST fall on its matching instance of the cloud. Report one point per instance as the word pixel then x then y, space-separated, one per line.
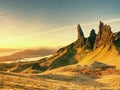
pixel 69 27
pixel 83 24
pixel 61 28
pixel 112 20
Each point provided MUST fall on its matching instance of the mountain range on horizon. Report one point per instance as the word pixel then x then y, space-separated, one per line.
pixel 22 54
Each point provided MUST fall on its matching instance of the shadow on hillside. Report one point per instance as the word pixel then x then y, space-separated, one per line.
pixel 81 79
pixel 117 42
pixel 66 59
pixel 102 66
pixel 117 45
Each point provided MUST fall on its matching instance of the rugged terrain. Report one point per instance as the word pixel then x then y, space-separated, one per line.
pixel 71 79
pixel 87 63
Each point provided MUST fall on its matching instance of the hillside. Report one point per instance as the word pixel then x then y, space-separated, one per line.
pixel 103 47
pixel 92 63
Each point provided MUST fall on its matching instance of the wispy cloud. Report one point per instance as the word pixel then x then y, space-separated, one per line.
pixel 83 24
pixel 61 28
pixel 112 20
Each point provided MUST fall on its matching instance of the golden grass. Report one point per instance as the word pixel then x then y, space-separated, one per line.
pixel 70 77
pixel 63 78
pixel 103 54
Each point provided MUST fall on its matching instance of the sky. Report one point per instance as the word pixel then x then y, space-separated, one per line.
pixel 52 23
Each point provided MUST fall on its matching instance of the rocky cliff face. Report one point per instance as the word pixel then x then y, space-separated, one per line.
pixel 80 42
pixel 83 51
pixel 104 35
pixel 91 40
pixel 87 50
pixel 116 40
pixel 80 32
pixel 107 42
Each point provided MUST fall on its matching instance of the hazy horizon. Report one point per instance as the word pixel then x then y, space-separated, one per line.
pixel 52 23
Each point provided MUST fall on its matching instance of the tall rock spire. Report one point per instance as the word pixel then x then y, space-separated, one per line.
pixel 80 32
pixel 104 35
pixel 91 40
pixel 101 25
pixel 81 39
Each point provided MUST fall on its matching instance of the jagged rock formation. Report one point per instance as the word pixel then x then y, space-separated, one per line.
pixel 80 32
pixel 116 40
pixel 81 39
pixel 87 50
pixel 98 44
pixel 91 40
pixel 104 35
pixel 102 47
pixel 116 36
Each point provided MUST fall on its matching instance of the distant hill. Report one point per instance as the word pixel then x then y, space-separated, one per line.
pixel 7 50
pixel 27 54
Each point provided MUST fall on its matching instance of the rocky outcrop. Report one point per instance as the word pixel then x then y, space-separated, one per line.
pixel 85 42
pixel 80 32
pixel 116 36
pixel 91 40
pixel 80 42
pixel 104 35
pixel 116 40
pixel 84 50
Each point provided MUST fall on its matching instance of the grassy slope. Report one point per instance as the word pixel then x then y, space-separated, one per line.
pixel 57 60
pixel 67 77
pixel 105 54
